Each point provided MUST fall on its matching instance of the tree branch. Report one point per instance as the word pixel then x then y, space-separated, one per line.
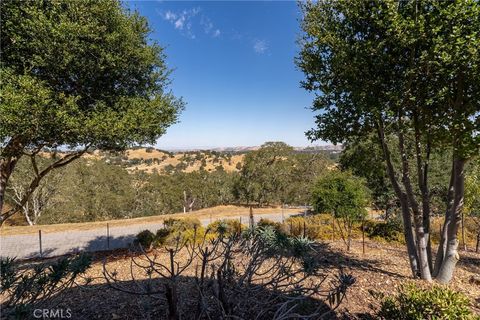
pixel 36 181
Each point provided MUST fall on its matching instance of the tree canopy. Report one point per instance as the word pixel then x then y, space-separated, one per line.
pixel 343 195
pixel 409 69
pixel 78 74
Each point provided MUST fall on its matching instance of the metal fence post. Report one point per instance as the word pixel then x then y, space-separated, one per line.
pixel 108 236
pixel 40 242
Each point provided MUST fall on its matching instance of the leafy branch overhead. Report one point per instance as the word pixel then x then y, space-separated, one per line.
pixel 79 74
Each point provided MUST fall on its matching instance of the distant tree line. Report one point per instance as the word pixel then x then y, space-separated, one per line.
pixel 90 190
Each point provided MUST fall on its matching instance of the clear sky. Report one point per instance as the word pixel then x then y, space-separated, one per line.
pixel 234 67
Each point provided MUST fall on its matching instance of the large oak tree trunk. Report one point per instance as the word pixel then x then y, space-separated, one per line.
pixel 406 216
pixel 442 247
pixel 451 258
pixel 420 234
pixel 7 165
pixel 9 157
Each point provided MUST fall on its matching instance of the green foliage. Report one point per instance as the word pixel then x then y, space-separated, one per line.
pixel 365 159
pixel 341 194
pixel 390 230
pixel 161 236
pixel 277 243
pixel 145 238
pixel 24 288
pixel 226 227
pixel 364 82
pixel 274 174
pixel 263 222
pixel 175 231
pixel 43 197
pixel 472 190
pixel 92 190
pixel 413 303
pixel 160 194
pixel 183 230
pixel 183 224
pixel 80 73
pixel 265 173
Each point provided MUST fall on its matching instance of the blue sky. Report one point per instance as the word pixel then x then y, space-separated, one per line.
pixel 233 66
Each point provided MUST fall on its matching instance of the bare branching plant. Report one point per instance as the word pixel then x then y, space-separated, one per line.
pixel 258 273
pixel 24 287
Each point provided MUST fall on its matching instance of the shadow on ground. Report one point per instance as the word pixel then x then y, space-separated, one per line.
pixel 100 301
pixel 333 258
pixel 470 262
pixel 97 244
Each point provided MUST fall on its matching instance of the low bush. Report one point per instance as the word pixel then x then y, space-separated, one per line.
pixel 175 224
pixel 24 287
pixel 161 236
pixel 146 239
pixel 391 230
pixel 184 229
pixel 437 302
pixel 318 226
pixel 225 227
pixel 262 223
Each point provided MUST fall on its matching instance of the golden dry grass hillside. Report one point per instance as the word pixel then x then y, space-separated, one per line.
pixel 150 160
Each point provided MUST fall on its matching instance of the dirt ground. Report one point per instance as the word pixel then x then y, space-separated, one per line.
pixel 383 268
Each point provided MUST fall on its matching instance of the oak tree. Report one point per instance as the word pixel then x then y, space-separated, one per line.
pixel 77 75
pixel 409 69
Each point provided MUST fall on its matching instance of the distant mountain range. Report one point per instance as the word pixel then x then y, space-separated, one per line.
pixel 330 148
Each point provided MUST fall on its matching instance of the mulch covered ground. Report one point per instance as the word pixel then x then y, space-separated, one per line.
pixel 383 268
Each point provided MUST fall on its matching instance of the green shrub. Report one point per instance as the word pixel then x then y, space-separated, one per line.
pixel 437 302
pixel 145 238
pixel 227 227
pixel 161 236
pixel 184 229
pixel 184 224
pixel 25 287
pixel 391 230
pixel 262 223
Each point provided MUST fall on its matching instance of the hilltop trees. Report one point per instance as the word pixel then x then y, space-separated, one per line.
pixel 77 75
pixel 408 69
pixel 93 188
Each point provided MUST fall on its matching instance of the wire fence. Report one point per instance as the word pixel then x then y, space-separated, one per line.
pixel 49 244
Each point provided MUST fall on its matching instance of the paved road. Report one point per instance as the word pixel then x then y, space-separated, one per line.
pixel 59 243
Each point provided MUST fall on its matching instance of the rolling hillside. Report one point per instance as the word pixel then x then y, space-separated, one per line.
pixel 150 160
